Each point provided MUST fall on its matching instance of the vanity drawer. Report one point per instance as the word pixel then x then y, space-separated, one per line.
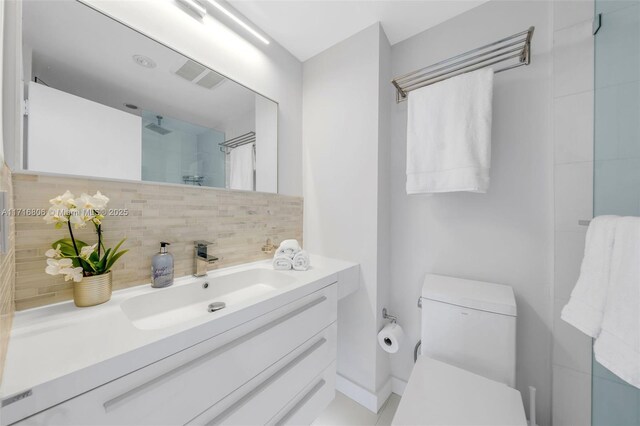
pixel 174 390
pixel 311 402
pixel 260 399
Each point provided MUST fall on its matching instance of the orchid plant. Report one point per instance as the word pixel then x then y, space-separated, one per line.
pixel 71 257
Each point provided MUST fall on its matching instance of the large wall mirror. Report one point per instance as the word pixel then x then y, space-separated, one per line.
pixel 106 101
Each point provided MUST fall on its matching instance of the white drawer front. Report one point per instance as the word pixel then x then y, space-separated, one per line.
pixel 308 405
pixel 261 398
pixel 172 391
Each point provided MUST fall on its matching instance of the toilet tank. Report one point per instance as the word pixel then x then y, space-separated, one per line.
pixel 471 325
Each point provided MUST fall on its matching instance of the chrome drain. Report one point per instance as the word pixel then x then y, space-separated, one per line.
pixel 216 306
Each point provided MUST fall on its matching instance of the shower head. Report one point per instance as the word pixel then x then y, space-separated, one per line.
pixel 158 127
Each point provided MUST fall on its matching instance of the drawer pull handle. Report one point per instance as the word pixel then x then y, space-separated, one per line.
pixel 314 390
pixel 250 395
pixel 134 393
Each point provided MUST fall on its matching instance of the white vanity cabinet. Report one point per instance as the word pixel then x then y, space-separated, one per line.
pixel 278 368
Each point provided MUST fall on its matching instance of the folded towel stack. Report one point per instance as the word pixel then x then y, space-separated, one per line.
pixel 301 261
pixel 605 303
pixel 288 248
pixel 282 263
pixel 290 256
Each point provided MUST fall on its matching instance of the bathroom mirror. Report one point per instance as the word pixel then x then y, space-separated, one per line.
pixel 103 100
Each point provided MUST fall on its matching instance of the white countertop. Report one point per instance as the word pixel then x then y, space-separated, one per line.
pixel 59 351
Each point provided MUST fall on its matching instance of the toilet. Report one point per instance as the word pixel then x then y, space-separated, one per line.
pixel 465 372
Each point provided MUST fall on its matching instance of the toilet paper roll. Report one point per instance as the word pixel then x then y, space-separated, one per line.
pixel 390 338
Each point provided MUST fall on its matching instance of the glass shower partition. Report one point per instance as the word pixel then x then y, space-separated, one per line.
pixel 616 167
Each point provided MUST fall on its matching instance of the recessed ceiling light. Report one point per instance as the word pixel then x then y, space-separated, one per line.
pixel 131 106
pixel 144 61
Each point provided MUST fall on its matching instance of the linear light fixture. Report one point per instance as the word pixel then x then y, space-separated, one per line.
pixel 237 20
pixel 194 6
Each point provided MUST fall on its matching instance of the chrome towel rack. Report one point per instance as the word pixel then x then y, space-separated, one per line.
pixel 245 139
pixel 515 49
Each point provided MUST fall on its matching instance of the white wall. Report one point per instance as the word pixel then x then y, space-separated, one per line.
pixel 12 85
pixel 2 8
pixel 506 235
pixel 72 135
pixel 268 69
pixel 386 94
pixel 266 145
pixel 343 147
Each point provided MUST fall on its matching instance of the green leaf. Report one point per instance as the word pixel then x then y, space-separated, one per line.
pixel 103 262
pixel 66 246
pixel 115 249
pixel 113 259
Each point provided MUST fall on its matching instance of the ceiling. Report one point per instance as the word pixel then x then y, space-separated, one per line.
pixel 80 51
pixel 307 27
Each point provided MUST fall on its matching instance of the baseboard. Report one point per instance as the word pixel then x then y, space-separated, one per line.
pixel 369 400
pixel 398 385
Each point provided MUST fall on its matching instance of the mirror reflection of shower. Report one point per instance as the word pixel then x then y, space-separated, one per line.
pixel 175 151
pixel 158 127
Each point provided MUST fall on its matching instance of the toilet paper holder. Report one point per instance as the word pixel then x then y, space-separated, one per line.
pixel 386 315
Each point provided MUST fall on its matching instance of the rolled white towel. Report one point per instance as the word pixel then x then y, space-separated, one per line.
pixel 282 263
pixel 288 248
pixel 301 261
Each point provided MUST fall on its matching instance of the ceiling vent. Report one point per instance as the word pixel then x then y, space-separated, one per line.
pixel 210 80
pixel 190 70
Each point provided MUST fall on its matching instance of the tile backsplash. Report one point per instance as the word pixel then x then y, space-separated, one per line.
pixel 238 223
pixel 6 273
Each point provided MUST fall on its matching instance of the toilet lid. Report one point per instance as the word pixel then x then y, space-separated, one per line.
pixel 441 394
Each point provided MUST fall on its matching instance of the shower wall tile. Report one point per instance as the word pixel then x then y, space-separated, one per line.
pixel 570 12
pixel 569 249
pixel 571 348
pixel 573 128
pixel 237 222
pixel 573 59
pixel 571 397
pixel 573 195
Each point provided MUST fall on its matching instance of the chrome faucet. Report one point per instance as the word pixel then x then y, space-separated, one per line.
pixel 202 259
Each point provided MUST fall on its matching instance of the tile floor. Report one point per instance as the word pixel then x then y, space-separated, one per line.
pixel 344 411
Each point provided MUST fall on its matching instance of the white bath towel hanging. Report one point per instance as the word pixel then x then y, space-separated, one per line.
pixel 449 135
pixel 618 345
pixel 589 296
pixel 241 167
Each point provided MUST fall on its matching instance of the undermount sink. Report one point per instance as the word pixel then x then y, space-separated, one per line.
pixel 174 305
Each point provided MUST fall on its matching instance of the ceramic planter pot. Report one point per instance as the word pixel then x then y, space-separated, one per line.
pixel 93 290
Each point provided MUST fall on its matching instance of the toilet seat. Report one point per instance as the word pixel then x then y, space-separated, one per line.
pixel 441 394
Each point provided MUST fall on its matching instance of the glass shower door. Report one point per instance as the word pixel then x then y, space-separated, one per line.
pixel 616 167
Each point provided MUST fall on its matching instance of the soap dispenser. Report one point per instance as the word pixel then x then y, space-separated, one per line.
pixel 162 268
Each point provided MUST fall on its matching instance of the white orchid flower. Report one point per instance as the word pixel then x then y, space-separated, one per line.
pixel 86 201
pixel 72 274
pixel 100 200
pixel 76 219
pixel 97 219
pixel 55 253
pixel 67 200
pixel 86 251
pixel 56 266
pixel 56 215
